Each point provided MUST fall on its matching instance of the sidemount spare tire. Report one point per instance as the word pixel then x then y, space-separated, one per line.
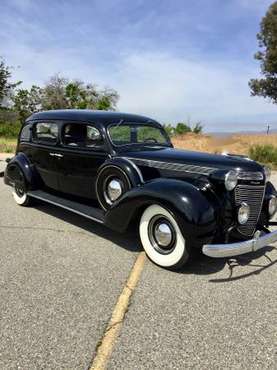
pixel 112 182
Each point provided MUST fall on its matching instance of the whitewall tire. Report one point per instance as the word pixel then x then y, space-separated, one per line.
pixel 20 196
pixel 162 239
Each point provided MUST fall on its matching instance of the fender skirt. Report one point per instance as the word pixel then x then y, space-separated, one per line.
pixel 191 209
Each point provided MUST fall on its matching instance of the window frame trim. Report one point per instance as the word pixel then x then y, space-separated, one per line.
pixel 100 148
pixel 30 124
pixel 45 142
pixel 168 143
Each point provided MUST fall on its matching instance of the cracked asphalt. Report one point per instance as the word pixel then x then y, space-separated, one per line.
pixel 61 275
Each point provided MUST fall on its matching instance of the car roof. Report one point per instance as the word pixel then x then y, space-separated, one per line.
pixel 85 115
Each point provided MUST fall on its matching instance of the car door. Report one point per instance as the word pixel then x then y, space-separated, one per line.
pixel 83 153
pixel 45 139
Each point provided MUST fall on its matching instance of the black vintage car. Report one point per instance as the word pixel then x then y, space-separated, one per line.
pixel 116 168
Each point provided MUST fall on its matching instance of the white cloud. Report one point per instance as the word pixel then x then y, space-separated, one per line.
pixel 159 84
pixel 171 89
pixel 163 86
pixel 254 4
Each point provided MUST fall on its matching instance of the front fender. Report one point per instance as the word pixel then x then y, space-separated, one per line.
pixel 269 192
pixel 191 209
pixel 17 163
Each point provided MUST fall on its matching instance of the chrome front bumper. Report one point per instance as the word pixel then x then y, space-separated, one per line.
pixel 235 249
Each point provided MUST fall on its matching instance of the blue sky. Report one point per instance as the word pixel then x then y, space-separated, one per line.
pixel 172 60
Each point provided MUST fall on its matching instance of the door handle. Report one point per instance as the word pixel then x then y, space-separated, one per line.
pixel 56 155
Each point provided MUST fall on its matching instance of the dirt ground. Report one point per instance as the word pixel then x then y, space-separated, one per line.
pixel 237 143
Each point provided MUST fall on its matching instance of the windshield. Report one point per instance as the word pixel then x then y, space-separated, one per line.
pixel 126 134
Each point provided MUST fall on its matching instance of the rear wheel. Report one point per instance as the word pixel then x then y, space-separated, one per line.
pixel 162 239
pixel 19 193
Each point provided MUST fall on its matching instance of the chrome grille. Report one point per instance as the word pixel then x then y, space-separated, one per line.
pixel 253 196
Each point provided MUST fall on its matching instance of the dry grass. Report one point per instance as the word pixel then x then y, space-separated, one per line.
pixel 237 143
pixel 7 145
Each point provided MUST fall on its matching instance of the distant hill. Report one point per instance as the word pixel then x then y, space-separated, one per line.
pixel 229 133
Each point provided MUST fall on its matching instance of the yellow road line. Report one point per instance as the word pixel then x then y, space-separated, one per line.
pixel 105 348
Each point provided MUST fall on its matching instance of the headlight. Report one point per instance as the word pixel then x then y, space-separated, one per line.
pixel 272 206
pixel 231 180
pixel 243 213
pixel 267 172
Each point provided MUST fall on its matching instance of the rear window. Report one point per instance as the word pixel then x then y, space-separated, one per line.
pixel 26 133
pixel 46 132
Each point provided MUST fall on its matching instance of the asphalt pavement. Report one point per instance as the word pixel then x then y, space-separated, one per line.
pixel 60 278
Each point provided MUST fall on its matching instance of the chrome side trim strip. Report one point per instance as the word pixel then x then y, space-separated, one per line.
pixel 173 166
pixel 236 249
pixel 65 207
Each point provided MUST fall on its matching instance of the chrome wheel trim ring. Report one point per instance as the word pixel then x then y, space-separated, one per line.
pixel 162 234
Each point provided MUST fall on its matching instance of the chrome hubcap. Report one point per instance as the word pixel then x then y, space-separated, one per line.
pixel 163 234
pixel 114 190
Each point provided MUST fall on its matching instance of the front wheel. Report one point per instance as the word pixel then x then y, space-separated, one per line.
pixel 162 239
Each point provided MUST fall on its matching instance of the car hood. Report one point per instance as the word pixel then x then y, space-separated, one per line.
pixel 191 158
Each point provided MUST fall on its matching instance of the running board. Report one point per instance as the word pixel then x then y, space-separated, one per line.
pixel 92 213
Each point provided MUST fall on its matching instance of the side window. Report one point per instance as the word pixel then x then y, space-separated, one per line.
pixel 26 133
pixel 120 135
pixel 80 135
pixel 46 132
pixel 150 134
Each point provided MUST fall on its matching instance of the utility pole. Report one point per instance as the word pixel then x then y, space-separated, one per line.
pixel 267 131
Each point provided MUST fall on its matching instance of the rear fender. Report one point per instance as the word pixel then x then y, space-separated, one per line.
pixel 18 163
pixel 191 209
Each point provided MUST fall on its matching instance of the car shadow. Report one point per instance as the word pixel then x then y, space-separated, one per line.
pixel 257 262
pixel 128 240
pixel 200 264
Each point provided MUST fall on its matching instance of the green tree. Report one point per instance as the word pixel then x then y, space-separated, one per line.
pixel 61 93
pixel 198 128
pixel 267 37
pixel 169 129
pixel 73 94
pixel 182 128
pixel 53 93
pixel 107 99
pixel 27 102
pixel 6 87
